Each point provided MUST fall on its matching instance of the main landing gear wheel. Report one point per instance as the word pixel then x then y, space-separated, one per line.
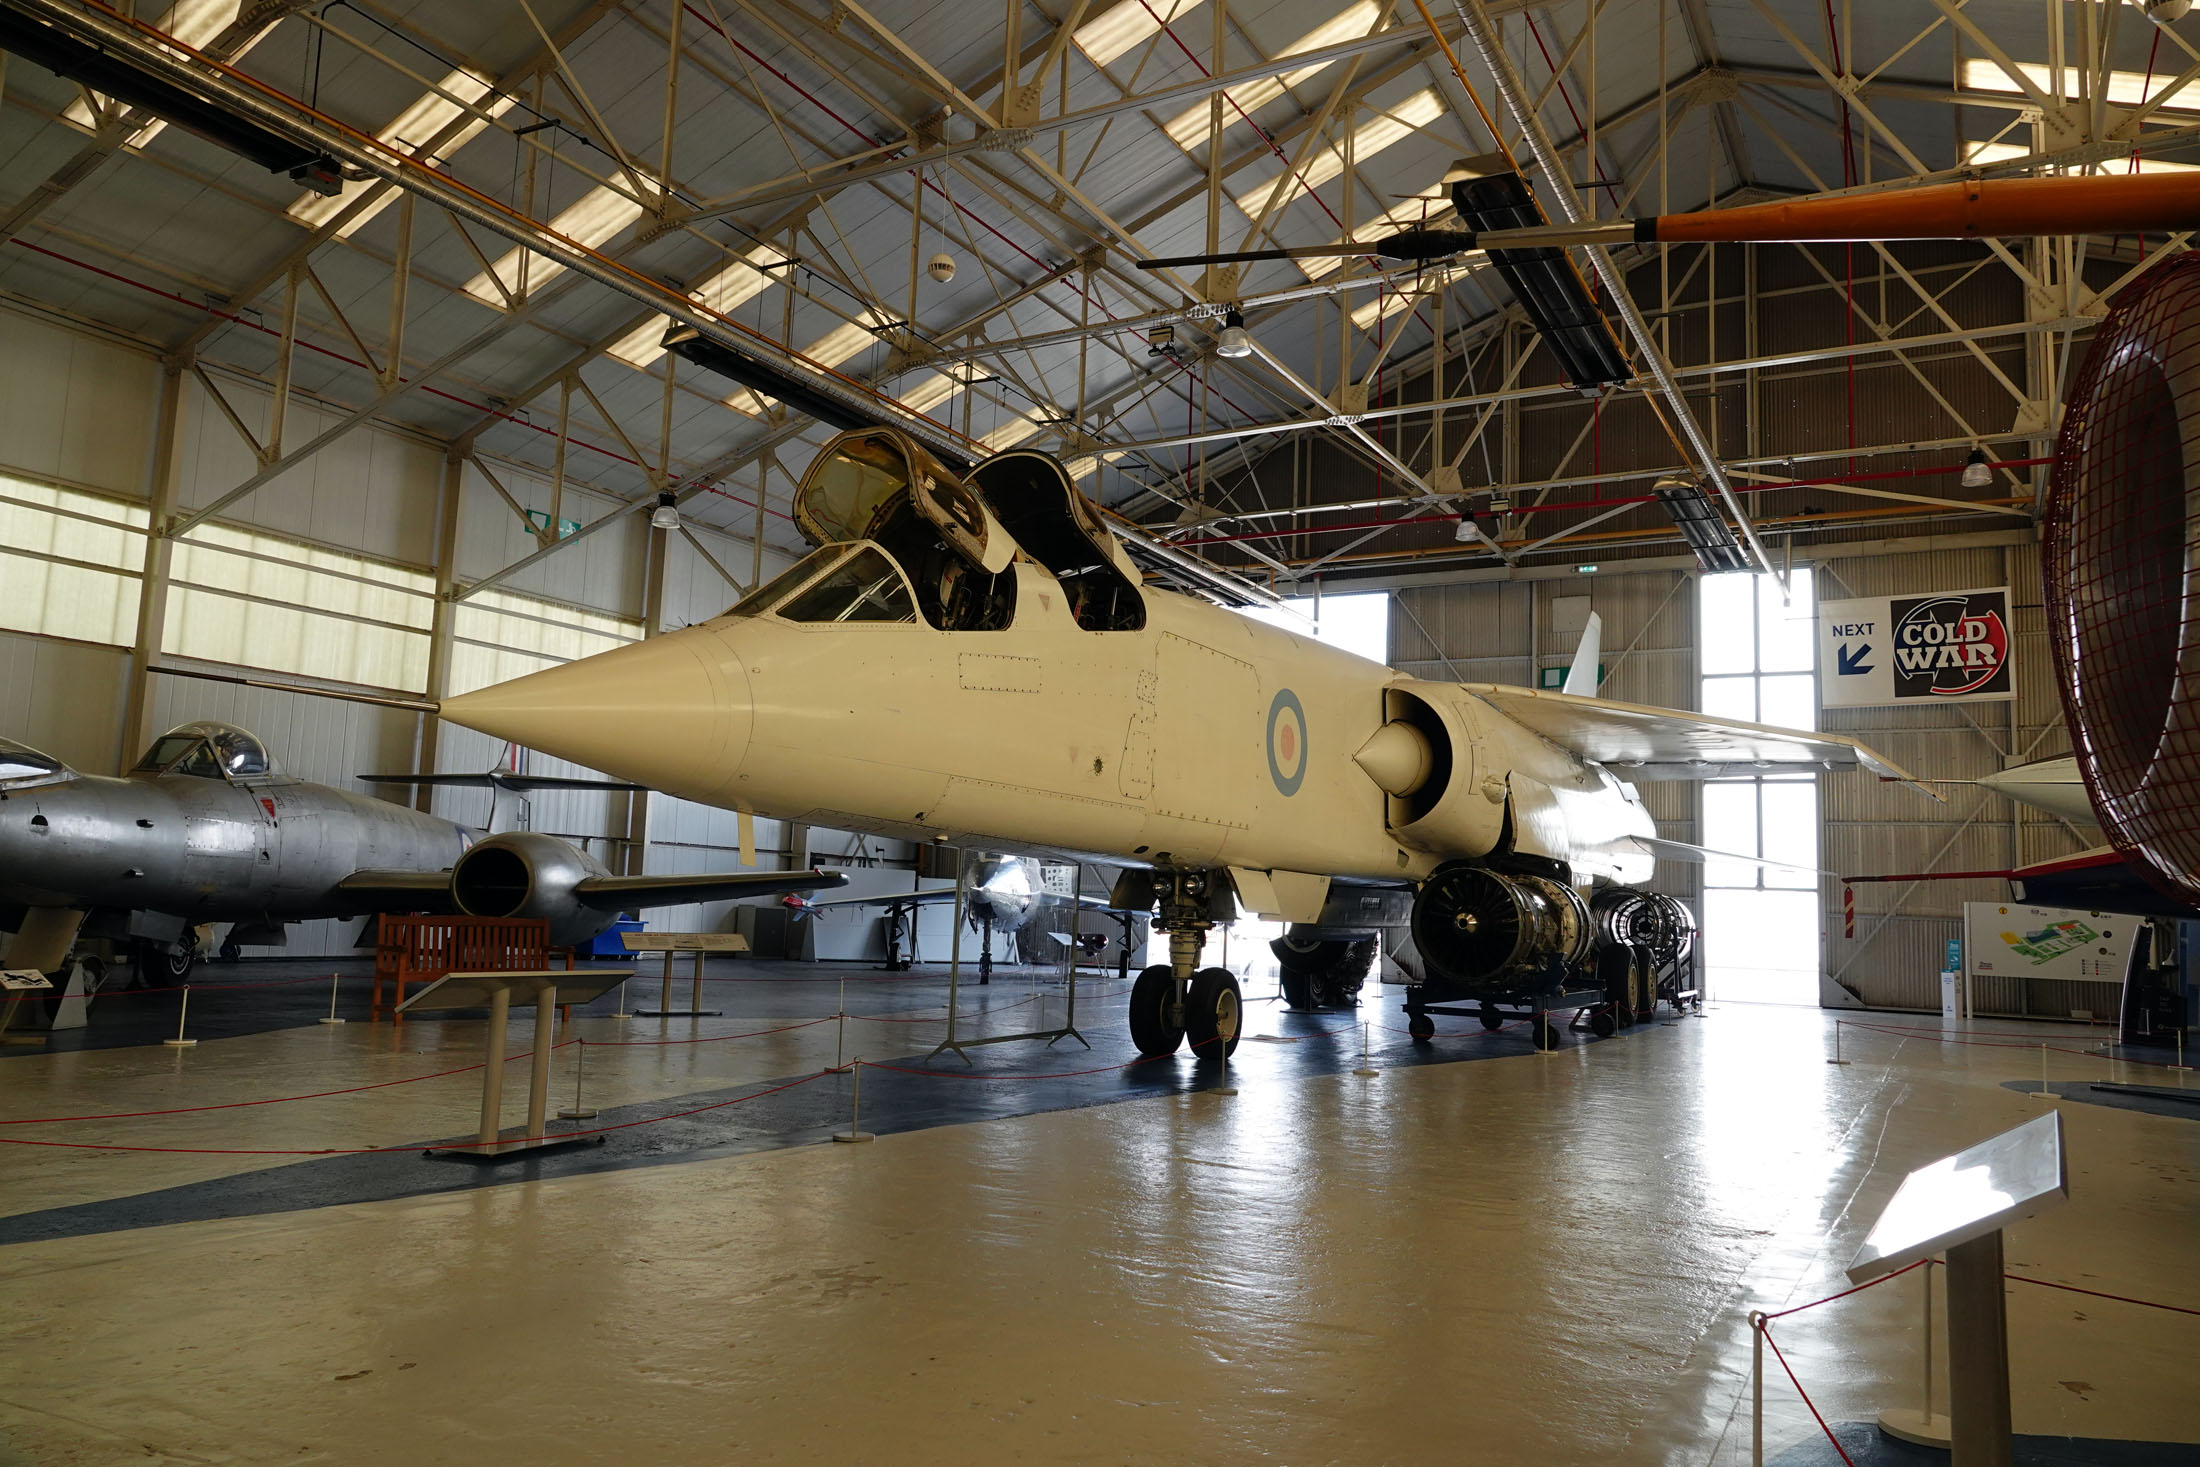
pixel 1602 1024
pixel 1214 1014
pixel 1420 1026
pixel 1544 1032
pixel 1491 1018
pixel 1151 997
pixel 1323 973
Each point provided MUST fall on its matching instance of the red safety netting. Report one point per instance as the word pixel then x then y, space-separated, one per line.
pixel 2118 540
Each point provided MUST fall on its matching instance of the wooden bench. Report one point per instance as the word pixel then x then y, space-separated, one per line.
pixel 668 943
pixel 423 949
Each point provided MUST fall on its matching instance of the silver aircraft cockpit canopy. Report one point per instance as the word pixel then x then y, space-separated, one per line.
pixel 23 767
pixel 209 750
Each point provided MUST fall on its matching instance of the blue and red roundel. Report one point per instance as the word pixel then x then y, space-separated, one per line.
pixel 1287 742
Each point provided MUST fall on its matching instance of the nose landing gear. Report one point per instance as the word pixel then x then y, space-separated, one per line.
pixel 1170 1001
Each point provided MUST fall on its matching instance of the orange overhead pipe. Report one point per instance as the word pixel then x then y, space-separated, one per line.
pixel 1970 209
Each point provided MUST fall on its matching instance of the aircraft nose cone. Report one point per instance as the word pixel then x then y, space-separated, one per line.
pixel 671 712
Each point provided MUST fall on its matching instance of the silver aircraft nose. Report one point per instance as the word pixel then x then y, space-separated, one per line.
pixel 671 712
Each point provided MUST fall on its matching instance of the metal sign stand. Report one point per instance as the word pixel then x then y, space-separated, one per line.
pixel 954 1041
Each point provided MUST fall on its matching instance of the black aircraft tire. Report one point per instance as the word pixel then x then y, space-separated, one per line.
pixel 1332 972
pixel 1298 988
pixel 1491 1018
pixel 1544 1032
pixel 1420 1026
pixel 1602 1025
pixel 1214 1015
pixel 1151 996
pixel 180 959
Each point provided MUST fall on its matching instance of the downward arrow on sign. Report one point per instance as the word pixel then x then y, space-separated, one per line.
pixel 1852 663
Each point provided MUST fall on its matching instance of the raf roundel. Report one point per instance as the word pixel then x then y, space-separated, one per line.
pixel 1287 742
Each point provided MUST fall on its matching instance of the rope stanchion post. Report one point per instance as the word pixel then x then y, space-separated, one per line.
pixel 2043 1093
pixel 333 980
pixel 622 1013
pixel 577 1111
pixel 1367 1068
pixel 840 1033
pixel 855 1131
pixel 182 1008
pixel 1756 1388
pixel 1837 1060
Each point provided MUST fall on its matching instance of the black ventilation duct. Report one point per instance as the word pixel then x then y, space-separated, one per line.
pixel 177 105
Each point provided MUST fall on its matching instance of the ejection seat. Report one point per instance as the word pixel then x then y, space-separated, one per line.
pixel 1032 497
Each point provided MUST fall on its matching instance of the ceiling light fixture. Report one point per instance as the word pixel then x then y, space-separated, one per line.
pixel 666 516
pixel 1976 473
pixel 1235 340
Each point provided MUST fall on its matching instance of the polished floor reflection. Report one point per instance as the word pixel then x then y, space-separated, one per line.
pixel 1530 1258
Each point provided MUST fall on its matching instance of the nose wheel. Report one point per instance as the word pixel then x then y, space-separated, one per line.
pixel 1154 1029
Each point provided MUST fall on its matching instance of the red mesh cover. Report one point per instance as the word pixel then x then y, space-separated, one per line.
pixel 2117 564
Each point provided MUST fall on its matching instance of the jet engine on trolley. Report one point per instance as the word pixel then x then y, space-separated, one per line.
pixel 1492 934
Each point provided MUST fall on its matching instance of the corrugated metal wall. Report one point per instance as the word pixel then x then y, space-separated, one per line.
pixel 1503 631
pixel 81 410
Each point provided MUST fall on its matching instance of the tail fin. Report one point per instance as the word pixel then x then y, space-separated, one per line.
pixel 1581 678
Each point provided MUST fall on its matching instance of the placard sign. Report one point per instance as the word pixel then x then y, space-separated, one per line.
pixel 1945 647
pixel 2003 940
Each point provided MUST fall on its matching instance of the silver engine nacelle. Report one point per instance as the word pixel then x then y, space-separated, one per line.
pixel 526 874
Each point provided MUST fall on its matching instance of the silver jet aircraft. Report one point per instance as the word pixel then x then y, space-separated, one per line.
pixel 972 659
pixel 207 828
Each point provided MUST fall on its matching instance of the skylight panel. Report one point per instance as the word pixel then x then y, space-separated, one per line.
pixel 598 215
pixel 1128 24
pixel 427 116
pixel 1983 153
pixel 2125 88
pixel 195 23
pixel 1189 127
pixel 1370 138
pixel 736 283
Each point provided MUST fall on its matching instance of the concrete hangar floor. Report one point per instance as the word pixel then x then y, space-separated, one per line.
pixel 1480 1253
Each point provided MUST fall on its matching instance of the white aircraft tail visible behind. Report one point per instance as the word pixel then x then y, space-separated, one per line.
pixel 1581 678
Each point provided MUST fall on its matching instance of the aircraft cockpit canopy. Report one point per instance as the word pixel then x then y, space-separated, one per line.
pixel 208 750
pixel 23 767
pixel 954 537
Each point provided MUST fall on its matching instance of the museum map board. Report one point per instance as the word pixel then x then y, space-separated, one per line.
pixel 2003 940
pixel 1941 647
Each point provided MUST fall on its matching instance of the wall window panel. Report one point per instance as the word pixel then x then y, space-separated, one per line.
pixel 69 562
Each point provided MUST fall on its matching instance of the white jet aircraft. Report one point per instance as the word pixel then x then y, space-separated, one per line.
pixel 972 659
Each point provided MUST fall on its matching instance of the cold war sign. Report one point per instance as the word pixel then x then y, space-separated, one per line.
pixel 1944 647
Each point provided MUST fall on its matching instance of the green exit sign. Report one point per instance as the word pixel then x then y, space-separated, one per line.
pixel 1554 678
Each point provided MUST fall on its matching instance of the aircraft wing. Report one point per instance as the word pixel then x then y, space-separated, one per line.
pixel 617 893
pixel 1680 850
pixel 503 779
pixel 401 891
pixel 1660 743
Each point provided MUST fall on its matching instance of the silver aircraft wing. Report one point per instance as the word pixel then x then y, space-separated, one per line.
pixel 504 779
pixel 1660 743
pixel 400 891
pixel 618 893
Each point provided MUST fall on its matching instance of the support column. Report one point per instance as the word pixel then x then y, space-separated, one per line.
pixel 152 617
pixel 439 627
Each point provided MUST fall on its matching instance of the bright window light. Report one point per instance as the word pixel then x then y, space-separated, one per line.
pixel 426 117
pixel 930 391
pixel 195 23
pixel 1127 24
pixel 1983 153
pixel 1371 137
pixel 1358 623
pixel 1189 127
pixel 2125 88
pixel 598 215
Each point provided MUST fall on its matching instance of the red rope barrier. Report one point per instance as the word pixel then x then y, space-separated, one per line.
pixel 1860 1288
pixel 1815 1414
pixel 2096 1293
pixel 2006 1042
pixel 702 1039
